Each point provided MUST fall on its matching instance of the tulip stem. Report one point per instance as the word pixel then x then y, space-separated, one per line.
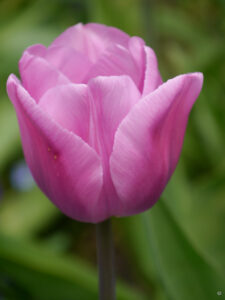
pixel 105 254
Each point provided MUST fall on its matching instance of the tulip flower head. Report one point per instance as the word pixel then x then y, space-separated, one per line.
pixel 101 132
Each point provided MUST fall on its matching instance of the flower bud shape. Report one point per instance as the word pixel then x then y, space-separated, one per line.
pixel 101 132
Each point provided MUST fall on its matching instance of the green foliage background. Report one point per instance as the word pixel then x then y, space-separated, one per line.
pixel 175 251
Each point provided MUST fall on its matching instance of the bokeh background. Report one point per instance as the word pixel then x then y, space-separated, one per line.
pixel 174 251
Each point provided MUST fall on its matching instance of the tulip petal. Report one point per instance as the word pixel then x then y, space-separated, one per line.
pixel 152 78
pixel 113 98
pixel 70 62
pixel 37 50
pixel 67 170
pixel 68 105
pixel 91 39
pixel 149 140
pixel 38 75
pixel 137 50
pixel 115 61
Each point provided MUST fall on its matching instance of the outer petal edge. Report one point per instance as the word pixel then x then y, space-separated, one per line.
pixel 49 158
pixel 148 142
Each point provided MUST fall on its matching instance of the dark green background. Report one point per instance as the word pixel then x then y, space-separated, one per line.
pixel 175 251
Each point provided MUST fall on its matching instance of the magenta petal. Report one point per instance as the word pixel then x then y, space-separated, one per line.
pixel 137 50
pixel 115 61
pixel 67 170
pixel 112 99
pixel 73 37
pixel 70 62
pixel 91 39
pixel 38 75
pixel 152 78
pixel 110 35
pixel 149 140
pixel 37 50
pixel 68 105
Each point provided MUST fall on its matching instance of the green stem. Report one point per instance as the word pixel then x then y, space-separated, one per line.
pixel 105 255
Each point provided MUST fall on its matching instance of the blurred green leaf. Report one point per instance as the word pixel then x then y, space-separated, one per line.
pixel 209 129
pixel 183 271
pixel 188 46
pixel 9 132
pixel 158 241
pixel 26 213
pixel 104 11
pixel 41 274
pixel 200 211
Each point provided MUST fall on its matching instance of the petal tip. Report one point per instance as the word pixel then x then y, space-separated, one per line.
pixel 12 83
pixel 199 76
pixel 197 80
pixel 11 79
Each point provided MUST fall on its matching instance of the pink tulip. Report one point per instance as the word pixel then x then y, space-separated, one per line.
pixel 101 132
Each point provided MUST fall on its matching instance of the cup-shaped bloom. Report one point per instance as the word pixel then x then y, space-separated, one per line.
pixel 101 132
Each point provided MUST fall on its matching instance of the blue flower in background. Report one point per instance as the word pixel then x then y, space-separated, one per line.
pixel 20 177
